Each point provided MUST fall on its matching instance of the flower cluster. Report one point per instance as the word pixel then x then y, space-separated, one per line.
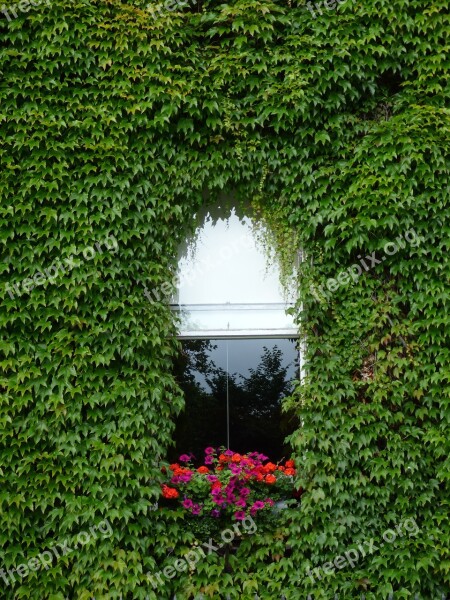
pixel 229 483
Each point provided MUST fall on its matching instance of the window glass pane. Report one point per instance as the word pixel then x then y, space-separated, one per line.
pixel 233 390
pixel 210 320
pixel 228 286
pixel 228 265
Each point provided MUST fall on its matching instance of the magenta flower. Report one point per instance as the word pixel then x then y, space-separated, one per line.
pixel 217 496
pixel 196 509
pixel 229 493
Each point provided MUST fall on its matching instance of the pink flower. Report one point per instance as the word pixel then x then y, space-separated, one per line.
pixel 258 505
pixel 217 496
pixel 269 501
pixel 212 478
pixel 187 503
pixel 228 452
pixel 241 503
pixel 239 515
pixel 184 458
pixel 245 492
pixel 229 489
pixel 215 513
pixel 196 509
pixel 209 450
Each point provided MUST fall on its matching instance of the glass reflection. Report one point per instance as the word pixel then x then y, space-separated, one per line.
pixel 226 264
pixel 228 287
pixel 233 391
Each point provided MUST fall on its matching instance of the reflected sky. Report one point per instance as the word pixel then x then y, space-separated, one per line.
pixel 227 263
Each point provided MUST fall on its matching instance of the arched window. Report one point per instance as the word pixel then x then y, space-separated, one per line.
pixel 240 352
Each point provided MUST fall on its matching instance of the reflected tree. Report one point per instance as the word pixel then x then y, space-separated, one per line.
pixel 204 420
pixel 256 420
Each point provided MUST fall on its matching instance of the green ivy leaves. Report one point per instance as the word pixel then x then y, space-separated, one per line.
pixel 114 121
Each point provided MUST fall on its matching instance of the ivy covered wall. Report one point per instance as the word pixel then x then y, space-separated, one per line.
pixel 115 119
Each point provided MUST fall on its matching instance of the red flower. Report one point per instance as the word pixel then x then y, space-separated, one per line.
pixel 290 464
pixel 270 479
pixel 236 458
pixel 270 467
pixel 174 466
pixel 290 471
pixel 203 470
pixel 168 492
pixel 280 468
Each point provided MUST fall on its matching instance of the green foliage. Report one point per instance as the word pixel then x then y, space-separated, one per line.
pixel 116 122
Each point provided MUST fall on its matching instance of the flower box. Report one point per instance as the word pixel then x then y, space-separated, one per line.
pixel 228 486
